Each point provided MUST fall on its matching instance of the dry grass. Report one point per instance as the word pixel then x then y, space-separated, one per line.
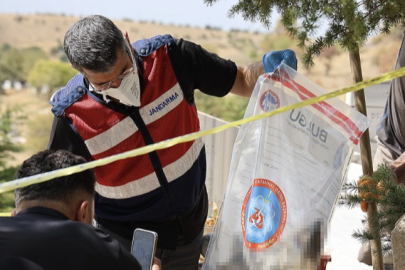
pixel 46 31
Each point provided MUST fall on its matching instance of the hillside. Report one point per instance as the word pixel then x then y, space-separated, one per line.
pixel 47 32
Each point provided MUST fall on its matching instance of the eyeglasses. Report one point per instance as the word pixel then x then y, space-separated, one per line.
pixel 107 85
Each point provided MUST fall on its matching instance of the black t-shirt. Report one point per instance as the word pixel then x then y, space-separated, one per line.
pixel 195 68
pixel 43 238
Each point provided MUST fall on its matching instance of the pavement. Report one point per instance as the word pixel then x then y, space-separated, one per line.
pixel 340 244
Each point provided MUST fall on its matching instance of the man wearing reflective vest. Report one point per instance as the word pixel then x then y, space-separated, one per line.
pixel 127 96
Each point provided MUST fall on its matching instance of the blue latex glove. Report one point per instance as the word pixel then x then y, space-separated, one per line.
pixel 272 60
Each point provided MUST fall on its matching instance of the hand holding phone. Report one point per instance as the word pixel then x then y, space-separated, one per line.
pixel 144 247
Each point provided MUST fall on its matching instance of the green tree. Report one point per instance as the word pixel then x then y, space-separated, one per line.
pixel 350 23
pixel 328 54
pixel 229 108
pixel 11 65
pixel 15 64
pixel 8 123
pixel 58 52
pixel 380 188
pixel 31 56
pixel 50 73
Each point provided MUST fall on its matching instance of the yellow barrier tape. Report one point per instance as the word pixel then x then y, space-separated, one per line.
pixel 26 181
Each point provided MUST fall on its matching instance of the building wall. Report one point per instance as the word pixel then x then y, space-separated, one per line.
pixel 219 149
pixel 376 97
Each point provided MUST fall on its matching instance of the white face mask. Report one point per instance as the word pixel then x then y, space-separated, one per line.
pixel 128 92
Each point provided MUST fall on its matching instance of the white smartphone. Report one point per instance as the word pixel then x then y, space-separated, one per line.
pixel 144 247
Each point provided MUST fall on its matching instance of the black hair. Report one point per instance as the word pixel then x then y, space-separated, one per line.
pixel 92 43
pixel 62 189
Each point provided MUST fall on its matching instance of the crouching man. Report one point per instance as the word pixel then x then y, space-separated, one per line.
pixel 50 227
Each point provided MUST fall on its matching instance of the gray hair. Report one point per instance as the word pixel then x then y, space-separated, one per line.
pixel 92 43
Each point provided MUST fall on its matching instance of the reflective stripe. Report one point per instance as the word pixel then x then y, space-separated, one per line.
pixel 111 137
pixel 148 183
pixel 162 105
pixel 126 128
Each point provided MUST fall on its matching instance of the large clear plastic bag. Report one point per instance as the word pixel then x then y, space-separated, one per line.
pixel 286 174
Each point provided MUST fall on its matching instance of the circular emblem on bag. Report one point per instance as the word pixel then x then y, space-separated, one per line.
pixel 269 101
pixel 264 214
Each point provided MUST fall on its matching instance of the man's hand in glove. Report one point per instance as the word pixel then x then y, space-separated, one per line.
pixel 272 60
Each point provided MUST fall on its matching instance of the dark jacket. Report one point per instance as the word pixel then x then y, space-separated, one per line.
pixel 43 238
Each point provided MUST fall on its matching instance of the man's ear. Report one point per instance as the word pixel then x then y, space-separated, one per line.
pixel 14 212
pixel 82 214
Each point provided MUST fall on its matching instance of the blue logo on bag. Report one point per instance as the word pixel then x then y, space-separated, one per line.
pixel 264 214
pixel 269 101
